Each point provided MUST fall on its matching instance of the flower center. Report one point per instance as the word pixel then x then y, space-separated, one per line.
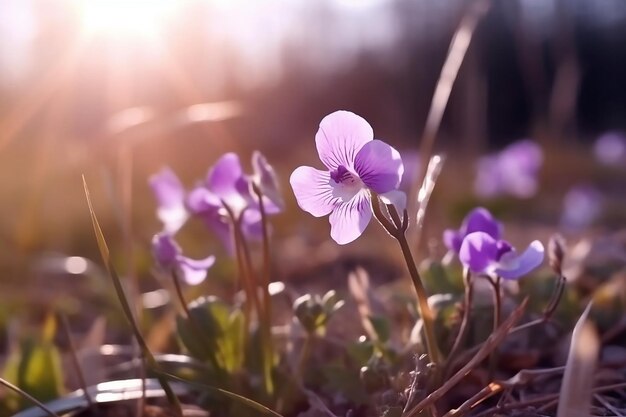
pixel 503 248
pixel 342 176
pixel 345 184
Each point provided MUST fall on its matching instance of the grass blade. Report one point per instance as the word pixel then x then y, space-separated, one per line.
pixel 228 394
pixel 576 388
pixel 117 283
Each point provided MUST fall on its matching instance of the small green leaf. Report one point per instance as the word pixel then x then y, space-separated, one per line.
pixel 381 327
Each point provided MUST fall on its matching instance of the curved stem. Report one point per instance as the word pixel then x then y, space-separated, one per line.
pixel 460 337
pixel 497 308
pixel 422 297
pixel 28 397
pixel 266 321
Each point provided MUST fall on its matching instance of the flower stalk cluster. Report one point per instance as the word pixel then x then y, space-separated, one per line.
pixel 235 207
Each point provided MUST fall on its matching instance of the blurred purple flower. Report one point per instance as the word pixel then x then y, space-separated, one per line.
pixel 483 254
pixel 169 257
pixel 582 205
pixel 265 178
pixel 356 164
pixel 513 171
pixel 477 220
pixel 227 185
pixel 170 196
pixel 610 148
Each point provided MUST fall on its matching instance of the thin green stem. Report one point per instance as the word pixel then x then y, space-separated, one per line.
pixel 250 281
pixel 422 301
pixel 28 397
pixel 398 232
pixel 461 335
pixel 304 356
pixel 497 313
pixel 266 321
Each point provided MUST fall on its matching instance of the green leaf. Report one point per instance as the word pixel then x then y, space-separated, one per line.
pixel 439 280
pixel 36 369
pixel 381 327
pixel 213 333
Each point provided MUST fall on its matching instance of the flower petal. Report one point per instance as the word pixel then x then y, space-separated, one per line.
pixel 379 166
pixel 478 252
pixel 170 196
pixel 340 136
pixel 251 224
pixel 513 267
pixel 227 182
pixel 452 239
pixel 313 190
pixel 165 250
pixel 200 200
pixel 195 271
pixel 349 220
pixel 266 179
pixel 395 197
pixel 481 220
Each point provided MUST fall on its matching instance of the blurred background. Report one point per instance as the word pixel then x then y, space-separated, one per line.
pixel 117 90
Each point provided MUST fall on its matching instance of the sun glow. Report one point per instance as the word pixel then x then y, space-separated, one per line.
pixel 125 18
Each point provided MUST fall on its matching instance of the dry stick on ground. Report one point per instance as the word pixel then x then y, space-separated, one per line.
pixel 456 53
pixel 490 344
pixel 548 399
pixel 523 377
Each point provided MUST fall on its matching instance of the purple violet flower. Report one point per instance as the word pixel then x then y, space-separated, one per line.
pixel 582 206
pixel 512 171
pixel 356 164
pixel 477 220
pixel 483 254
pixel 226 184
pixel 170 196
pixel 169 257
pixel 610 148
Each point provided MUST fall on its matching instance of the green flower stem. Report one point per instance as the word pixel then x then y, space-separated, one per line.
pixel 243 267
pixel 250 281
pixel 29 397
pixel 497 313
pixel 398 230
pixel 266 322
pixel 460 337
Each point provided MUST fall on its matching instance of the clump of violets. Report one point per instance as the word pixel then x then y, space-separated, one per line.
pixel 512 171
pixel 480 248
pixel 226 192
pixel 357 165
